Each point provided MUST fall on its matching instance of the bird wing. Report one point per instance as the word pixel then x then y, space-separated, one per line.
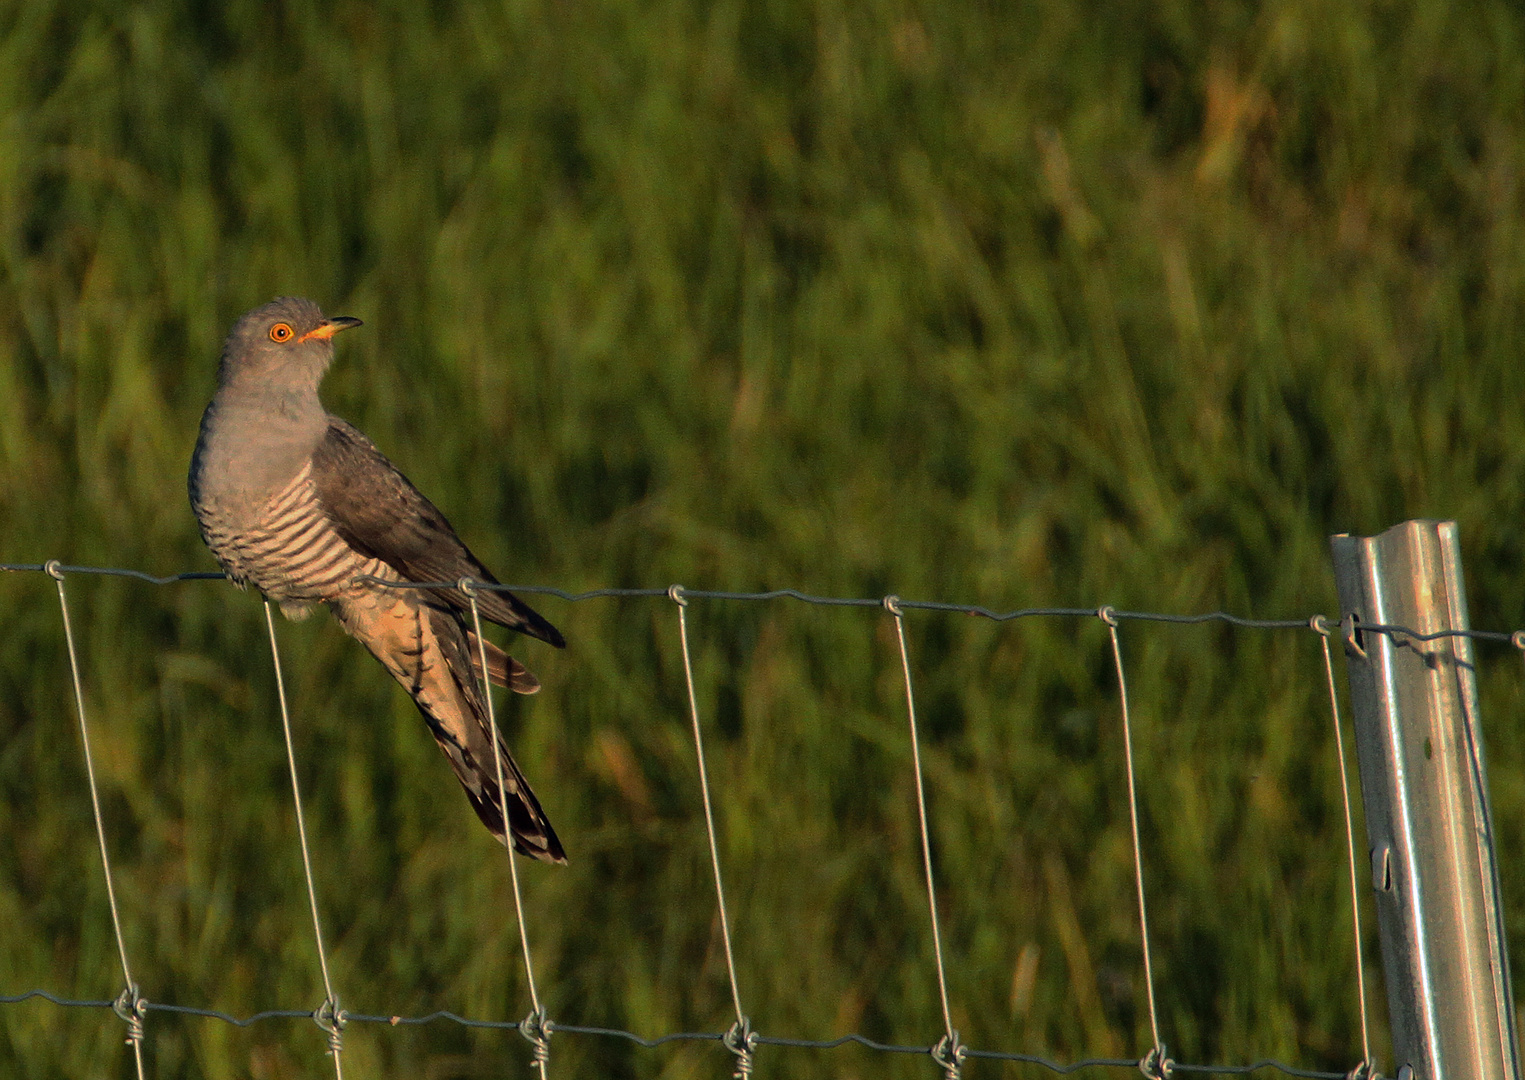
pixel 379 513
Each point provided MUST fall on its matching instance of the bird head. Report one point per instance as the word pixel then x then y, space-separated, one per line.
pixel 285 345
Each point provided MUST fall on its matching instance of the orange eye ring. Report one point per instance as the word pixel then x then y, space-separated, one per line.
pixel 281 333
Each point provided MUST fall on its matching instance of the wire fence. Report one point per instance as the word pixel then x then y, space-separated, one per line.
pixel 949 1053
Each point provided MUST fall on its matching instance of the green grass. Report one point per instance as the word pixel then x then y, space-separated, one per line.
pixel 1023 304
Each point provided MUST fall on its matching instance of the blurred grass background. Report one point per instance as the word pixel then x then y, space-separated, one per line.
pixel 1018 304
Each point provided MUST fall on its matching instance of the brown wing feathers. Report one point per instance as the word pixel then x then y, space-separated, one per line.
pixel 380 513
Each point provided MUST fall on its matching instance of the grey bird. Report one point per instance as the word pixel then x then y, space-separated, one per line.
pixel 299 504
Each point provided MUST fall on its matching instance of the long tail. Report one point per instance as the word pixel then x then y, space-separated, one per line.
pixel 502 669
pixel 428 650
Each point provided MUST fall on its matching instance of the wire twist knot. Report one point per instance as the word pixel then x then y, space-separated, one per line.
pixel 131 1007
pixel 1157 1064
pixel 892 605
pixel 55 569
pixel 1517 639
pixel 949 1054
pixel 536 1029
pixel 1321 625
pixel 741 1040
pixel 331 1019
pixel 1107 614
pixel 1366 1070
pixel 468 585
pixel 675 594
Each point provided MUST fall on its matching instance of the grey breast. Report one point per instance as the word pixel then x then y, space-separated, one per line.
pixel 286 546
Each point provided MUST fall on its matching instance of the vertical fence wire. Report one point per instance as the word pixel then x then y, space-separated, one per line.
pixel 949 1052
pixel 1325 629
pixel 740 1039
pixel 1155 1063
pixel 129 1006
pixel 536 1027
pixel 328 1016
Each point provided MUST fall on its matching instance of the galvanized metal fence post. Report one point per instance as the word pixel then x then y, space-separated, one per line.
pixel 1423 783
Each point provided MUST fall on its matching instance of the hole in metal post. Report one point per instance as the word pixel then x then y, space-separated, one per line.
pixel 1382 868
pixel 1355 639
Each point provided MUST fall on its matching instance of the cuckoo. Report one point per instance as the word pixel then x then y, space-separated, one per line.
pixel 301 505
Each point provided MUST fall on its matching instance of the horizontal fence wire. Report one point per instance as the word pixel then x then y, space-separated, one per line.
pixel 1512 637
pixel 1059 1068
pixel 537 1026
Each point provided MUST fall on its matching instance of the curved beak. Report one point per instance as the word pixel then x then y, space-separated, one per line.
pixel 328 328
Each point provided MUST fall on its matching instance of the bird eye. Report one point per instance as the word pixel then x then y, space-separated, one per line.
pixel 281 332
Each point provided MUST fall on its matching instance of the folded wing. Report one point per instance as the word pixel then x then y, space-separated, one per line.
pixel 379 513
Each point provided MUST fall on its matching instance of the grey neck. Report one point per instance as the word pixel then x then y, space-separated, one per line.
pixel 255 440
